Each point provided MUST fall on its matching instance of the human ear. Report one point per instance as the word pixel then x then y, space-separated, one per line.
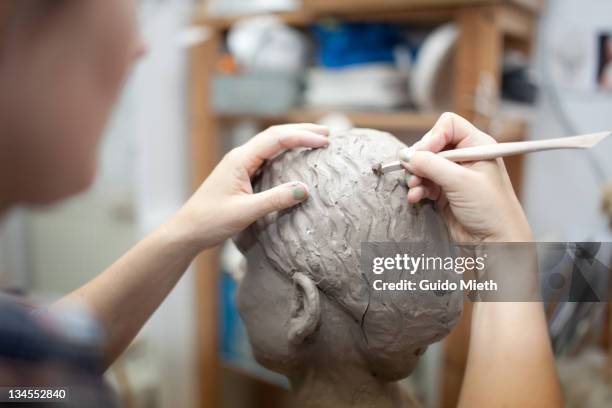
pixel 305 309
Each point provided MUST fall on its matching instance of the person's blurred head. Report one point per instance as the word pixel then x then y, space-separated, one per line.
pixel 305 300
pixel 62 64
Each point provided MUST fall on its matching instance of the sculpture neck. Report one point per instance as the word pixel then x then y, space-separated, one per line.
pixel 348 388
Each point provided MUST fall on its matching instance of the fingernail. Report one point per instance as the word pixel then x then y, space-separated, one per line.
pixel 322 140
pixel 407 178
pixel 298 192
pixel 405 153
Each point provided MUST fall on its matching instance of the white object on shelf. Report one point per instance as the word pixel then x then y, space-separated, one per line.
pixel 373 86
pixel 233 261
pixel 265 43
pixel 431 78
pixel 336 122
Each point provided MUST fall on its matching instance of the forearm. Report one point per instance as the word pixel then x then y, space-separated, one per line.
pixel 126 294
pixel 510 359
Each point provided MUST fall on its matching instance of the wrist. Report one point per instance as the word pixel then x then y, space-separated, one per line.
pixel 178 232
pixel 515 228
pixel 517 235
pixel 493 322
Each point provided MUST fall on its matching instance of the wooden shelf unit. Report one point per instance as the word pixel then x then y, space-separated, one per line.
pixel 485 26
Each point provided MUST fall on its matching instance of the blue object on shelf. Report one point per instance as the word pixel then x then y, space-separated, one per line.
pixel 345 44
pixel 232 329
pixel 235 347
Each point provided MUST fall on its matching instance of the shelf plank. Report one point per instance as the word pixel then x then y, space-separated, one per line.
pixel 294 18
pixel 505 129
pixel 423 11
pixel 305 18
pixel 335 6
pixel 401 120
pixel 397 120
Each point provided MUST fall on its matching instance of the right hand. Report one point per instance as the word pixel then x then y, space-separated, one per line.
pixel 476 198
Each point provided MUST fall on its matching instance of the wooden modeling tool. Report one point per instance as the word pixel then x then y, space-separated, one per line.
pixel 493 151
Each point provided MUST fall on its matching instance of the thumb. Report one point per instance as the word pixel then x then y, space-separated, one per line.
pixel 277 198
pixel 445 173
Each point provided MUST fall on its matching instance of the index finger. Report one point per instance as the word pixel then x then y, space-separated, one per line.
pixel 275 140
pixel 452 130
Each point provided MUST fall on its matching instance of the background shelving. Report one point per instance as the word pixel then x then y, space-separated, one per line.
pixel 487 28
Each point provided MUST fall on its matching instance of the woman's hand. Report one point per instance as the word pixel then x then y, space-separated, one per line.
pixel 476 198
pixel 225 204
pixel 479 205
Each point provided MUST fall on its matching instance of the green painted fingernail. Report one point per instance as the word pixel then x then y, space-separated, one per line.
pixel 407 178
pixel 299 193
pixel 404 154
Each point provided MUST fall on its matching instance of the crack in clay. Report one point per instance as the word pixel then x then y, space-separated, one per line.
pixel 397 184
pixel 378 181
pixel 365 312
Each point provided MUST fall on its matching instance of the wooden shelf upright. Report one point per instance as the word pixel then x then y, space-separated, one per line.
pixel 486 27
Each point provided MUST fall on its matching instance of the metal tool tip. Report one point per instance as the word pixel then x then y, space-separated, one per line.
pixel 377 169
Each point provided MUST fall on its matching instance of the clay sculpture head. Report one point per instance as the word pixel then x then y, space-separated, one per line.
pixel 310 311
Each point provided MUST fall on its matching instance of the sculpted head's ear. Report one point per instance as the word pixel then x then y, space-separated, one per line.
pixel 305 309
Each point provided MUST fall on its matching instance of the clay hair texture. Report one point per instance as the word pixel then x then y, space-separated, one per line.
pixel 349 204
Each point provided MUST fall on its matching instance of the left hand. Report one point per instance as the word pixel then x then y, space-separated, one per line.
pixel 225 204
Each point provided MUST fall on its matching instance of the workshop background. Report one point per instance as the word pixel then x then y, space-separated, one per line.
pixel 520 69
